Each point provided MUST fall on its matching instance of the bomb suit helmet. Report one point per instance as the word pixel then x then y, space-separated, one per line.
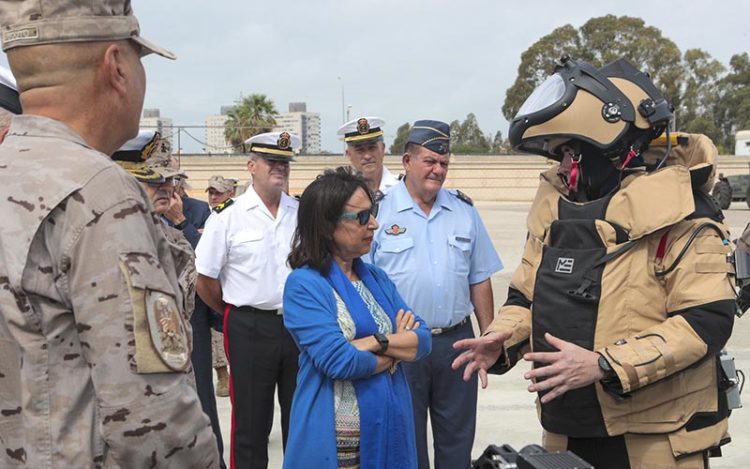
pixel 608 110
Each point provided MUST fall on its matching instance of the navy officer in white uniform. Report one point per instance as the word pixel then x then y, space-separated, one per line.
pixel 365 150
pixel 435 248
pixel 242 267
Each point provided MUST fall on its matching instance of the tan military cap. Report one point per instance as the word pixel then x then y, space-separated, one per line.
pixel 34 22
pixel 162 161
pixel 220 184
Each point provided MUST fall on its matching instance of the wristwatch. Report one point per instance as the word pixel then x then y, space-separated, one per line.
pixel 609 373
pixel 382 341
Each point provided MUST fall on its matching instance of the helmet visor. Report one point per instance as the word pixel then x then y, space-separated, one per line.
pixel 544 96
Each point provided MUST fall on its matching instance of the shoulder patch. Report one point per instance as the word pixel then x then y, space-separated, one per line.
pixel 168 331
pixel 161 336
pixel 222 206
pixel 462 197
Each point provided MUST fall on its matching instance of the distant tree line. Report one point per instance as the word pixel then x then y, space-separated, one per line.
pixel 466 139
pixel 708 97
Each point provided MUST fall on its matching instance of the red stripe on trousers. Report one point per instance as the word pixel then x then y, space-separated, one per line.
pixel 231 385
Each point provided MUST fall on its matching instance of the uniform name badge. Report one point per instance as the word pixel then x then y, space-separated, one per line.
pixel 168 332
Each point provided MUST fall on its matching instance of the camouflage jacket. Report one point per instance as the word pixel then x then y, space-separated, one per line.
pixel 93 341
pixel 184 258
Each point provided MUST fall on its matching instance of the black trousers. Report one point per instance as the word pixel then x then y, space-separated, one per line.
pixel 262 355
pixel 202 321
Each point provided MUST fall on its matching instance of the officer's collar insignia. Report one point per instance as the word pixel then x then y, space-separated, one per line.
pixel 223 205
pixel 284 141
pixel 363 126
pixel 395 230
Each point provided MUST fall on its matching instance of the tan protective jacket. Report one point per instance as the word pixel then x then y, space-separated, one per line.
pixel 93 337
pixel 652 323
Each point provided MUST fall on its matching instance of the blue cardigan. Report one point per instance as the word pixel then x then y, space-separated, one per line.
pixel 310 315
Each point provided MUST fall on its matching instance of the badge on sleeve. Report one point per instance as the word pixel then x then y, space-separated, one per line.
pixel 168 332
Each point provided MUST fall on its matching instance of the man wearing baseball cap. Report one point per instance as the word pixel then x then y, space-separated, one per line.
pixel 220 189
pixel 95 357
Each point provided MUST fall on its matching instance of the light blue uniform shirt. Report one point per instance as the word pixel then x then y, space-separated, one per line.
pixel 433 258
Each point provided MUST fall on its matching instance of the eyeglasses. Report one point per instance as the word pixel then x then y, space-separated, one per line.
pixel 362 216
pixel 168 181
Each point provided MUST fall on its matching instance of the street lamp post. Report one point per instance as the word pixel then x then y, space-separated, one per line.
pixel 343 113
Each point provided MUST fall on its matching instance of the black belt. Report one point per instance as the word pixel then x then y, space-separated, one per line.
pixel 253 309
pixel 443 330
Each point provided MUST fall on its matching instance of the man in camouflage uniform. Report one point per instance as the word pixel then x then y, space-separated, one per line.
pixel 138 157
pixel 147 157
pixel 220 189
pixel 93 341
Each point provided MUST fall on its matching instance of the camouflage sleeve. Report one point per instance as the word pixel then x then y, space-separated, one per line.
pixel 123 290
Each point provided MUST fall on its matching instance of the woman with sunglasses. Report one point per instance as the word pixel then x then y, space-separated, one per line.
pixel 352 406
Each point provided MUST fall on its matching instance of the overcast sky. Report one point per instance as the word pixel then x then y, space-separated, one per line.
pixel 398 59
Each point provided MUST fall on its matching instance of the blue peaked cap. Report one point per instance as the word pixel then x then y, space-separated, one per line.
pixel 433 135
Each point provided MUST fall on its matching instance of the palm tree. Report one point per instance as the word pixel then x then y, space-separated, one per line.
pixel 251 116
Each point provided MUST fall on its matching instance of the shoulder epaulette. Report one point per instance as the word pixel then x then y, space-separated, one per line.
pixel 462 197
pixel 401 177
pixel 222 206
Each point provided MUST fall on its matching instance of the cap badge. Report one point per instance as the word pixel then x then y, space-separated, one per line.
pixel 363 126
pixel 284 141
pixel 151 146
pixel 395 230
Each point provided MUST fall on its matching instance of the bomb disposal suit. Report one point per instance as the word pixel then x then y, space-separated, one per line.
pixel 626 256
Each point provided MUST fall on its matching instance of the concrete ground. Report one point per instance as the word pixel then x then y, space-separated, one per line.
pixel 506 411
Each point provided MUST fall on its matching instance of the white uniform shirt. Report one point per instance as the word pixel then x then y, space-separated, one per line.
pixel 387 181
pixel 246 248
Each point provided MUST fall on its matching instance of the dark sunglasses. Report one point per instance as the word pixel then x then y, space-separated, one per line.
pixel 362 216
pixel 157 183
